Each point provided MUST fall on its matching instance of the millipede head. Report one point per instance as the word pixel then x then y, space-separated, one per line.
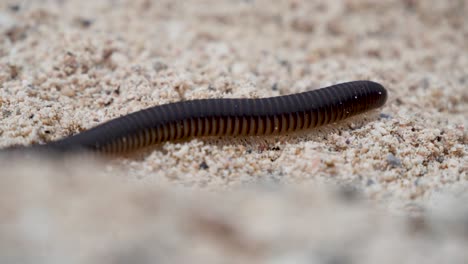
pixel 380 93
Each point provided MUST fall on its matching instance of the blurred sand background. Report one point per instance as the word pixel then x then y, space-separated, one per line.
pixel 389 187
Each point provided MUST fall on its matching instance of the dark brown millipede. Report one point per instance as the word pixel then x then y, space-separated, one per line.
pixel 226 117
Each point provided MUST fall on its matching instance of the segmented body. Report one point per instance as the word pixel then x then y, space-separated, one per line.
pixel 227 117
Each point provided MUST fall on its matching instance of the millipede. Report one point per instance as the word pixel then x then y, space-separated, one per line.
pixel 225 117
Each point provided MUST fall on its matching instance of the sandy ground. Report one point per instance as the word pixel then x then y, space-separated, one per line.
pixel 357 192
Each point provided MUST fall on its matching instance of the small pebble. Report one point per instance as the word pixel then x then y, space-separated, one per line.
pixel 84 22
pixel 385 116
pixel 203 166
pixel 14 7
pixel 370 182
pixel 393 161
pixel 274 87
pixel 159 66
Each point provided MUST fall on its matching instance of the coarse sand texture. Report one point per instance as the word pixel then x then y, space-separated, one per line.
pixel 389 186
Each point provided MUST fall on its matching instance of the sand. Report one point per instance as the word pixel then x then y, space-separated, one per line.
pixel 391 181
